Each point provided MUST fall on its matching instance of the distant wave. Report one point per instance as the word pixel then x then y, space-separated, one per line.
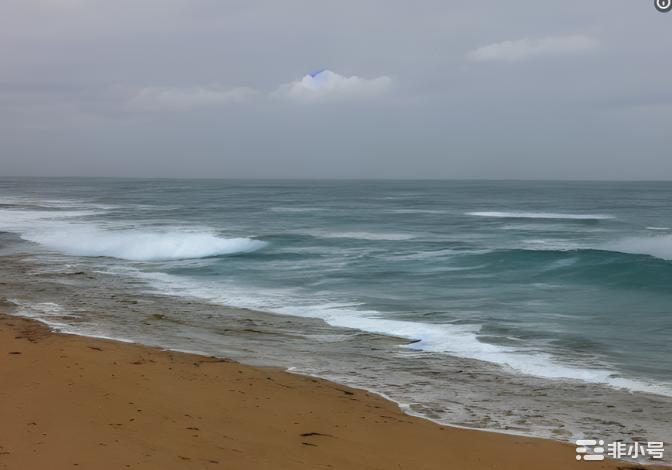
pixel 415 211
pixel 141 246
pixel 541 215
pixel 295 209
pixel 655 246
pixel 550 245
pixel 24 202
pixel 363 235
pixel 658 246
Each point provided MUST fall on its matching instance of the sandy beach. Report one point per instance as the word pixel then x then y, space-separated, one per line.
pixel 75 402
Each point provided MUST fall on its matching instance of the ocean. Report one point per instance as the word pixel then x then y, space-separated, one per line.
pixel 541 308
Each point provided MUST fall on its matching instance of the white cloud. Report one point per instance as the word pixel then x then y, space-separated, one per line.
pixel 329 85
pixel 178 99
pixel 313 87
pixel 524 49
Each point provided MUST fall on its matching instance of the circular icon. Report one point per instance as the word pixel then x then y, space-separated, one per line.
pixel 663 6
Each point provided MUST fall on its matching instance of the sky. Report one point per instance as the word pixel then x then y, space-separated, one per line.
pixel 349 89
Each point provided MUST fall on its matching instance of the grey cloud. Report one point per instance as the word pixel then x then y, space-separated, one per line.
pixel 166 98
pixel 526 49
pixel 126 88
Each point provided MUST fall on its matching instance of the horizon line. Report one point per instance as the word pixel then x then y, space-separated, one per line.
pixel 335 179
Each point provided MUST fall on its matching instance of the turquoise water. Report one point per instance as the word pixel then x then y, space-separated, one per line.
pixel 552 279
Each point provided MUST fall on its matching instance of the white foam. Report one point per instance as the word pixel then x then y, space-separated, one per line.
pixel 457 340
pixel 550 245
pixel 64 204
pixel 462 340
pixel 141 246
pixel 373 236
pixel 52 315
pixel 415 211
pixel 540 215
pixel 295 209
pixel 658 246
pixel 39 309
pixel 48 313
pixel 65 231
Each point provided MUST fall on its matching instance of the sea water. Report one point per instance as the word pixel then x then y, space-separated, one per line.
pixel 409 288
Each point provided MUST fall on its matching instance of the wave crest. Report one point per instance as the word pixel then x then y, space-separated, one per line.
pixel 142 246
pixel 540 215
pixel 659 247
pixel 371 236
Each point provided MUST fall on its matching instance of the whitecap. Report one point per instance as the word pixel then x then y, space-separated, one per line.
pixel 540 215
pixel 373 236
pixel 657 246
pixel 69 232
pixel 415 211
pixel 136 245
pixel 295 209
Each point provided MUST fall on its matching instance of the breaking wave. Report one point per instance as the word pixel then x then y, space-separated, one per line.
pixel 659 247
pixel 453 339
pixel 141 246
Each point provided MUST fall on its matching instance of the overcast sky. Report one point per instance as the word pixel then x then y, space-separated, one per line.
pixel 570 89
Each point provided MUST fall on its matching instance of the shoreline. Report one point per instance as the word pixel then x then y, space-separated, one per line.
pixel 87 297
pixel 71 401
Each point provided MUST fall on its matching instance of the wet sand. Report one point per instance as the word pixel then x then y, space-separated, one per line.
pixel 75 402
